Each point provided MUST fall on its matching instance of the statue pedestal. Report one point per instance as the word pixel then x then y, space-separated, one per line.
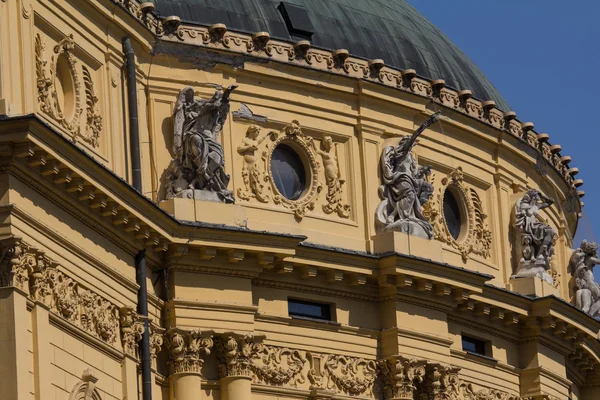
pixel 532 286
pixel 407 244
pixel 205 211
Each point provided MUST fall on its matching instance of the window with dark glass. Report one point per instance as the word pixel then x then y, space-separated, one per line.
pixel 452 214
pixel 473 345
pixel 288 172
pixel 309 309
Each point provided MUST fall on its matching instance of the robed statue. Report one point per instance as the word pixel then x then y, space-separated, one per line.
pixel 404 188
pixel 535 238
pixel 197 170
pixel 581 266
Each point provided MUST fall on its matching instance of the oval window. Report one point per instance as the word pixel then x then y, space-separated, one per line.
pixel 65 88
pixel 288 172
pixel 452 214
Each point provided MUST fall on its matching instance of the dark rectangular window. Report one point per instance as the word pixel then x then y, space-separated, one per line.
pixel 309 309
pixel 473 345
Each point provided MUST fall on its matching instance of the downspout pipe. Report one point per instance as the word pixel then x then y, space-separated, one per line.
pixel 136 178
pixel 134 129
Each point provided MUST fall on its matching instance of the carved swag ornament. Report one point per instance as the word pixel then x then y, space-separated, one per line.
pixel 404 188
pixel 535 238
pixel 54 87
pixel 478 238
pixel 198 169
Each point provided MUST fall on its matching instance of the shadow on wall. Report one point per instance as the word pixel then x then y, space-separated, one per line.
pixel 160 170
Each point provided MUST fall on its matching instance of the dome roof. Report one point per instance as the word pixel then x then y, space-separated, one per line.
pixel 391 30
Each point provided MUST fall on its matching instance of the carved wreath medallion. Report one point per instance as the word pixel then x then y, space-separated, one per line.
pixel 477 238
pixel 59 90
pixel 254 175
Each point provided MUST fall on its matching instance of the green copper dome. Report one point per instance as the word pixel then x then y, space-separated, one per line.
pixel 388 29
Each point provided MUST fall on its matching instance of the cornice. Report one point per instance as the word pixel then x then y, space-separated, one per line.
pixel 261 47
pixel 214 306
pixel 463 355
pixel 314 290
pixel 416 335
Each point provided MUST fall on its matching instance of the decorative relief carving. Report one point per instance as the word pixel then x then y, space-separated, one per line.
pixel 254 179
pixel 350 375
pixel 535 238
pixel 27 268
pixel 404 188
pixel 477 238
pixel 254 176
pixel 198 169
pixel 333 178
pixel 132 329
pixel 278 366
pixel 86 388
pixel 59 90
pixel 400 377
pixel 93 124
pixel 156 340
pixel 187 349
pixel 581 267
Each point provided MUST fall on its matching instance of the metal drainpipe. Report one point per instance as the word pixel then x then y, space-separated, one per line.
pixel 140 259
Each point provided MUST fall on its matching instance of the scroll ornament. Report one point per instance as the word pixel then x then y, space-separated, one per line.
pixel 581 267
pixel 478 238
pixel 535 238
pixel 404 188
pixel 85 389
pixel 52 102
pixel 198 169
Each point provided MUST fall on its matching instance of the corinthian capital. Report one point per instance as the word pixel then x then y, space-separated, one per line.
pixel 132 329
pixel 443 382
pixel 187 349
pixel 235 352
pixel 400 376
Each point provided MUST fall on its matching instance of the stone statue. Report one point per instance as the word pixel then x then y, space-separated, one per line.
pixel 197 171
pixel 581 266
pixel 404 188
pixel 535 239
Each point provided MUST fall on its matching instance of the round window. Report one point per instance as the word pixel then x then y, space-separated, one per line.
pixel 452 214
pixel 288 172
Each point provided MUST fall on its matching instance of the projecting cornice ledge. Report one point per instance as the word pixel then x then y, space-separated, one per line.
pixel 32 150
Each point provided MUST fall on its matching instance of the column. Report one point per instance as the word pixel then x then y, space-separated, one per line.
pixel 187 349
pixel 234 352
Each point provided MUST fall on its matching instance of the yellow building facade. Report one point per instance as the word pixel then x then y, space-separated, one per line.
pixel 144 255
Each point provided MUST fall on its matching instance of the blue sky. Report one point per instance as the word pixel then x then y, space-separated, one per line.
pixel 544 58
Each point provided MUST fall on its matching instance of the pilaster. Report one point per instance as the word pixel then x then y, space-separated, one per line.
pixel 14 368
pixel 42 350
